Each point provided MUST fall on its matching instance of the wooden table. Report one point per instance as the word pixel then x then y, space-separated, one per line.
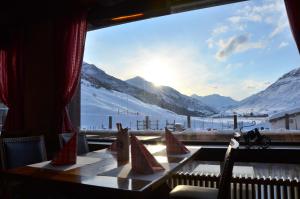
pixel 105 177
pixel 113 138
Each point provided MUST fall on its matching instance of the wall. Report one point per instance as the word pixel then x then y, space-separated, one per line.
pixel 294 123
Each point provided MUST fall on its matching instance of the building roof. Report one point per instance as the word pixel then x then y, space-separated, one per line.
pixel 282 114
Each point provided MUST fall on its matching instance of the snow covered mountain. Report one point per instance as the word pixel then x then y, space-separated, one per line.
pixel 99 103
pixel 217 101
pixel 282 95
pixel 164 97
pixel 172 96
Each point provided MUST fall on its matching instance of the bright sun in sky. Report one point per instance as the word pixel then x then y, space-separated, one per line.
pixel 234 50
pixel 158 71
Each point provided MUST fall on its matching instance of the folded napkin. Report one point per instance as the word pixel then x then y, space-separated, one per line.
pixel 142 161
pixel 122 144
pixel 174 146
pixel 113 146
pixel 68 154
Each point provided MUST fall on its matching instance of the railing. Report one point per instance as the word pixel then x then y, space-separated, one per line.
pixel 243 187
pixel 287 136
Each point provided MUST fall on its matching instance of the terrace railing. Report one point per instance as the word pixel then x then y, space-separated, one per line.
pixel 243 187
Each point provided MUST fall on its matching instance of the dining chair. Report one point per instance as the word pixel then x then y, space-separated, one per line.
pixel 223 190
pixel 21 151
pixel 82 145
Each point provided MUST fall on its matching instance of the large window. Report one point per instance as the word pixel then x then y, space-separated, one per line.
pixel 194 71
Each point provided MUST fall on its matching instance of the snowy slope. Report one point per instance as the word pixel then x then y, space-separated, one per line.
pixel 166 97
pixel 99 103
pixel 282 95
pixel 172 96
pixel 217 101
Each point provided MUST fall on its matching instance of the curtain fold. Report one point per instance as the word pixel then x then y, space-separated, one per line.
pixel 18 63
pixel 11 77
pixel 70 33
pixel 292 8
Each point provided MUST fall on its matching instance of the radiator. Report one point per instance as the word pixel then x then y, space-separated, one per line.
pixel 243 187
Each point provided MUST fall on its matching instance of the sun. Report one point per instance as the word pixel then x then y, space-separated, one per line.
pixel 159 71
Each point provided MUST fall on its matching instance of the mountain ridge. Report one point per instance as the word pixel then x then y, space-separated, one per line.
pixel 281 95
pixel 217 101
pixel 167 98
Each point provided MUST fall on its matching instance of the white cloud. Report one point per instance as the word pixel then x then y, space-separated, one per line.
pixel 181 67
pixel 234 66
pixel 281 25
pixel 220 29
pixel 236 44
pixel 283 44
pixel 210 42
pixel 254 85
pixel 269 12
pixel 235 19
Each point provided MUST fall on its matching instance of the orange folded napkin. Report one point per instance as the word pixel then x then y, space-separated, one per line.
pixel 142 161
pixel 68 154
pixel 174 146
pixel 113 146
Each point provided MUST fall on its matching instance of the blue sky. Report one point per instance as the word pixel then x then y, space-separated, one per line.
pixel 234 50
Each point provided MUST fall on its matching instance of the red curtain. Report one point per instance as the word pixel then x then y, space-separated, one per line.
pixel 69 41
pixel 67 38
pixel 11 77
pixel 293 7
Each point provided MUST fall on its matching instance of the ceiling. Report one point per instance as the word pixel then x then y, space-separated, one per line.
pixel 113 12
pixel 102 13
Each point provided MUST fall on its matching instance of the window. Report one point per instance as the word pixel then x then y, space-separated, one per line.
pixel 194 71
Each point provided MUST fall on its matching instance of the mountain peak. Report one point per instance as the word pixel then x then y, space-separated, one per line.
pixel 141 83
pixel 91 68
pixel 139 79
pixel 218 101
pixel 292 73
pixel 279 96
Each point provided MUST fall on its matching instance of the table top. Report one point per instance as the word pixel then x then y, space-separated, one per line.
pixel 100 169
pixel 140 137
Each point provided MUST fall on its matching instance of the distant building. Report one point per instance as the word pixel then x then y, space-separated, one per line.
pixel 289 119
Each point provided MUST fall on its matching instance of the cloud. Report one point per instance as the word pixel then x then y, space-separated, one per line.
pixel 210 42
pixel 236 44
pixel 252 86
pixel 283 44
pixel 249 17
pixel 234 66
pixel 220 29
pixel 180 66
pixel 269 12
pixel 281 25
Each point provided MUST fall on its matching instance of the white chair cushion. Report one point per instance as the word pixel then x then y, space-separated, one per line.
pixel 193 192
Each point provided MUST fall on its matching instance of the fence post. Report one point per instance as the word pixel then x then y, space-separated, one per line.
pixel 147 122
pixel 235 125
pixel 110 122
pixel 137 125
pixel 189 121
pixel 287 121
pixel 157 125
pixel 174 126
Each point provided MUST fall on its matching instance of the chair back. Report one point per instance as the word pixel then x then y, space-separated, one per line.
pixel 21 151
pixel 82 145
pixel 226 173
